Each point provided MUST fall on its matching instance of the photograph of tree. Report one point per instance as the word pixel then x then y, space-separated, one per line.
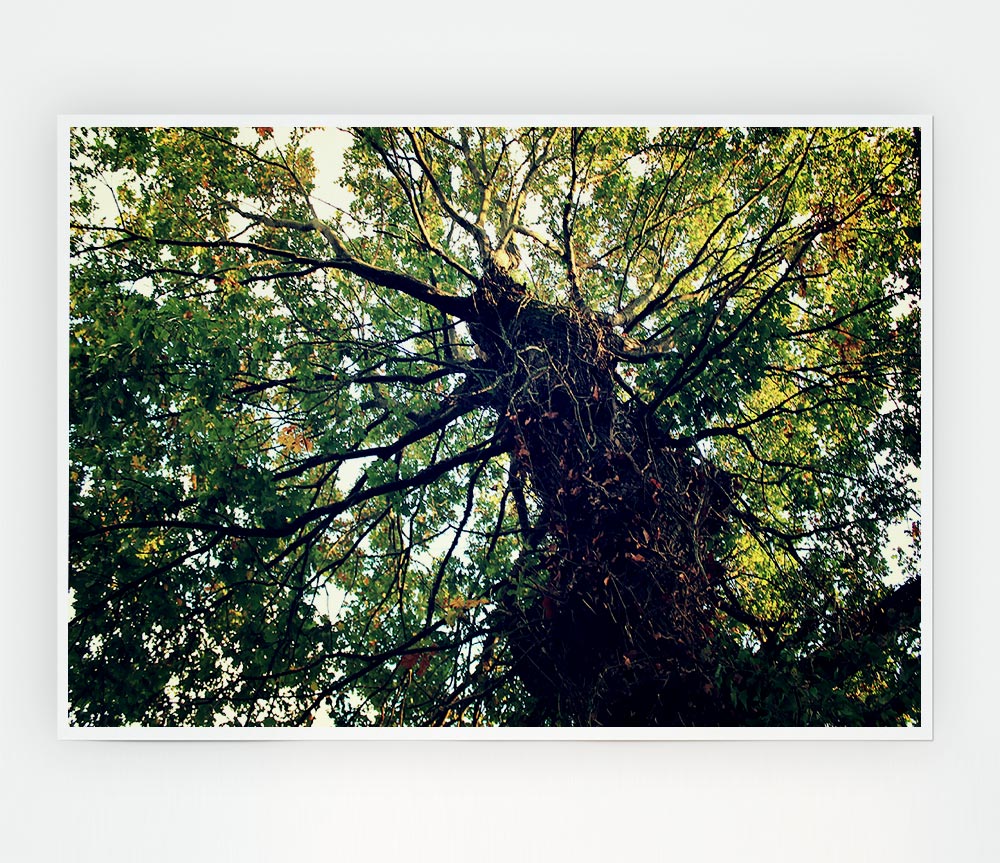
pixel 521 427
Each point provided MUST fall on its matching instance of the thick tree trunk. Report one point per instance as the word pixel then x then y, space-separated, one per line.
pixel 619 629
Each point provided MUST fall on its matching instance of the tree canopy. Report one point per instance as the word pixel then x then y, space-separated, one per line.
pixel 495 426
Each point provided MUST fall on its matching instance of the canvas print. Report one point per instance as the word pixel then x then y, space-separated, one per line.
pixel 495 426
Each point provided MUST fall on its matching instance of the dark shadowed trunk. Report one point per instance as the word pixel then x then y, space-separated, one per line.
pixel 618 630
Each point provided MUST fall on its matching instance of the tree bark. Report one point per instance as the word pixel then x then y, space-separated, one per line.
pixel 617 625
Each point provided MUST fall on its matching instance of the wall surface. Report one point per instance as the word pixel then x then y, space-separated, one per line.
pixel 85 801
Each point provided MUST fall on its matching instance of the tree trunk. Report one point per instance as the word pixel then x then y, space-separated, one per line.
pixel 617 629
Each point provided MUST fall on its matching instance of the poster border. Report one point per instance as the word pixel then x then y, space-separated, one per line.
pixel 923 732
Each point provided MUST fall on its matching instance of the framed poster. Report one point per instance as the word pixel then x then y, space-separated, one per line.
pixel 545 427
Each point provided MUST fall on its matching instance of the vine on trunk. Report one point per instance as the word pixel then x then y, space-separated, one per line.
pixel 617 627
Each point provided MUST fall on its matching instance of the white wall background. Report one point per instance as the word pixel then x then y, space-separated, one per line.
pixel 846 801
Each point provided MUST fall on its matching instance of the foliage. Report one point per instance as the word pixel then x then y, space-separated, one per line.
pixel 527 426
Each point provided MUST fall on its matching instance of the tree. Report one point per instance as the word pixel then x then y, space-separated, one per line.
pixel 536 426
